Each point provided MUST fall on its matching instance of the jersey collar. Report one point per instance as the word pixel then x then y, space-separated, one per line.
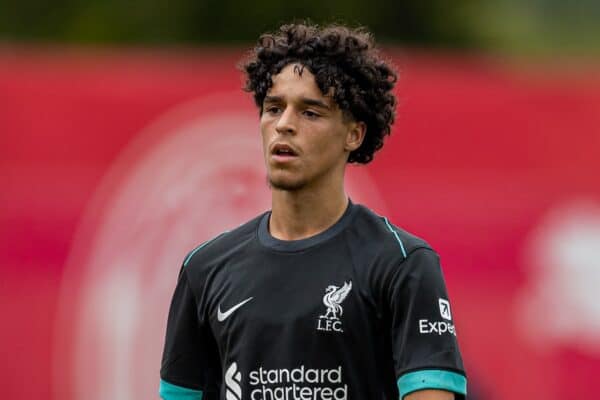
pixel 265 238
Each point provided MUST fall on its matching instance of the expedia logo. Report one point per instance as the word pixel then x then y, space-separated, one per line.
pixel 439 327
pixel 445 309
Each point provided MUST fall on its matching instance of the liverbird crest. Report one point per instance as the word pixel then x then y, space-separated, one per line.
pixel 334 295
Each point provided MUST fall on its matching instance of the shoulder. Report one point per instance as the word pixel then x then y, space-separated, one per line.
pixel 215 250
pixel 384 255
pixel 389 241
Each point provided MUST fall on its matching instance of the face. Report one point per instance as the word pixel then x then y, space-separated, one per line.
pixel 306 138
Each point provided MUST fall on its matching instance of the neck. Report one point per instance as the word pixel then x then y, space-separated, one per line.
pixel 304 213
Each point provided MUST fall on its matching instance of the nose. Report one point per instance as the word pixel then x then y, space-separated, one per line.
pixel 286 123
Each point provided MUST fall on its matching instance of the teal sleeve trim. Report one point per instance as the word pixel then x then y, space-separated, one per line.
pixel 191 254
pixel 432 379
pixel 168 391
pixel 396 236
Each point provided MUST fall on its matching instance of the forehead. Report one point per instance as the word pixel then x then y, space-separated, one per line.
pixel 295 80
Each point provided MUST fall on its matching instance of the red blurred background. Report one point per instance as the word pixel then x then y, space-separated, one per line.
pixel 114 164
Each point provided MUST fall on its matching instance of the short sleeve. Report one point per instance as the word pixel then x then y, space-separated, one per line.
pixel 190 367
pixel 424 344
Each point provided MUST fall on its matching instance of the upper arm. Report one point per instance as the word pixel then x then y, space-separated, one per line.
pixel 424 344
pixel 190 365
pixel 430 395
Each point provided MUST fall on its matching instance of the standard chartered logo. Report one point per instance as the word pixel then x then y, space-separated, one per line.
pixel 233 377
pixel 288 384
pixel 298 384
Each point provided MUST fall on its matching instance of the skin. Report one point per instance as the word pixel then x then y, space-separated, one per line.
pixel 430 395
pixel 308 190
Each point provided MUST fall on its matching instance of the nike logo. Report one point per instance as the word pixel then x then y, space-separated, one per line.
pixel 222 316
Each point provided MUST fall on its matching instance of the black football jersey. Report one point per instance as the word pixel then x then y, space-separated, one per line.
pixel 359 311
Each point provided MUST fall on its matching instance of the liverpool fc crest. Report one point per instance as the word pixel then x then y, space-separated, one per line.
pixel 334 296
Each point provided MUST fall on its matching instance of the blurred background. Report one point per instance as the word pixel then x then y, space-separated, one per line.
pixel 125 141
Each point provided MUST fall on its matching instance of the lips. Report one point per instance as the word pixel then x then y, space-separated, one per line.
pixel 283 150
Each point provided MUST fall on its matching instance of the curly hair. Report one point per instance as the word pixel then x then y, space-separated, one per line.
pixel 339 57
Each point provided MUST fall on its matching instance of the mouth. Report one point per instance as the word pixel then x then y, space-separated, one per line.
pixel 282 151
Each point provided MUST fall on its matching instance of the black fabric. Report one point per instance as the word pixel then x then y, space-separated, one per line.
pixel 190 356
pixel 390 322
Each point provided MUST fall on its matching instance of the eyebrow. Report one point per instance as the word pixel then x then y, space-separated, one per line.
pixel 304 100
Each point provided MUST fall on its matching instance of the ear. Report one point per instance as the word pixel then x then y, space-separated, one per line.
pixel 355 135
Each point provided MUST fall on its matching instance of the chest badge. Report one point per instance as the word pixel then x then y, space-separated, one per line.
pixel 334 296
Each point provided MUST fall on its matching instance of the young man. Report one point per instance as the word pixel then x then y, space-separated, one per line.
pixel 319 298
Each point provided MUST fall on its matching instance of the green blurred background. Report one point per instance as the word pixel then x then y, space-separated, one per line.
pixel 511 27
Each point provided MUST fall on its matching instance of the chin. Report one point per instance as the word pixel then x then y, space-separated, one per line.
pixel 285 183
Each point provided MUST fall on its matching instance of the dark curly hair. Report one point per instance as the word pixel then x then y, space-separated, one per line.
pixel 339 57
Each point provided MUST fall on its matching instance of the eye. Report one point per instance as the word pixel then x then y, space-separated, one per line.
pixel 311 114
pixel 273 109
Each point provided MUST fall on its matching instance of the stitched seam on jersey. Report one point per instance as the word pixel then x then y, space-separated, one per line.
pixel 171 361
pixel 399 270
pixel 184 272
pixel 432 367
pixel 181 381
pixel 189 257
pixel 367 295
pixel 396 236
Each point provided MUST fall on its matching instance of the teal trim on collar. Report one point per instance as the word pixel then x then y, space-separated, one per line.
pixel 168 391
pixel 432 379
